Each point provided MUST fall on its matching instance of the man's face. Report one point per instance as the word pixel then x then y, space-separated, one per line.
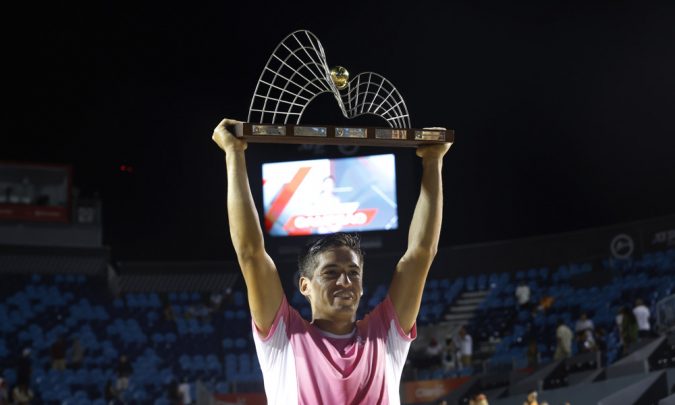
pixel 336 287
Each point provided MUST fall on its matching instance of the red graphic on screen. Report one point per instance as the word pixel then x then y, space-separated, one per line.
pixel 284 196
pixel 307 224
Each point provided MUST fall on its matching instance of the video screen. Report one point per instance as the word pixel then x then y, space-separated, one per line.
pixel 330 195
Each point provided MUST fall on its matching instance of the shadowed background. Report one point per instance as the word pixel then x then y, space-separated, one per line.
pixel 563 112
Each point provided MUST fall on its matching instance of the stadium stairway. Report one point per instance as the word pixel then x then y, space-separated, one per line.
pixel 465 308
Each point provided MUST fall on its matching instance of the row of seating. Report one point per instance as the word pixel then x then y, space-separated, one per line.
pixel 218 349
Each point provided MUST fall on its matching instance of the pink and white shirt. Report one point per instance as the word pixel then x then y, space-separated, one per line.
pixel 303 365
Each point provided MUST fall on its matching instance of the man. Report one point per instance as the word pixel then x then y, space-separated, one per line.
pixel 563 335
pixel 464 344
pixel 333 359
pixel 58 351
pixel 124 372
pixel 185 392
pixel 479 399
pixel 642 314
pixel 24 367
pixel 523 295
pixel 583 324
pixel 4 392
pixel 531 399
pixel 585 330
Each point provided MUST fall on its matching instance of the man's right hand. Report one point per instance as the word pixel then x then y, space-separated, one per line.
pixel 225 139
pixel 260 273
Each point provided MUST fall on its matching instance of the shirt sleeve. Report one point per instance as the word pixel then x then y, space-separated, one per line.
pixel 272 346
pixel 388 315
pixel 276 358
pixel 384 319
pixel 397 343
pixel 282 312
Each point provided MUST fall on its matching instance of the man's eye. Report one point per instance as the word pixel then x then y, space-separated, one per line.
pixel 355 274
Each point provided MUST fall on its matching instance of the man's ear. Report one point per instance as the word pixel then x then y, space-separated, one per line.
pixel 303 286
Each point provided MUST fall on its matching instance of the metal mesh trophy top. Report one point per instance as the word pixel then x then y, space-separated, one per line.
pixel 297 72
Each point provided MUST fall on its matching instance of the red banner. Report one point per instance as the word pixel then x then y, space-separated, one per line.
pixel 33 213
pixel 253 398
pixel 430 390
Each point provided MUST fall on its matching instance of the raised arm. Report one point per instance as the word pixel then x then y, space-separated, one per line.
pixel 411 272
pixel 260 273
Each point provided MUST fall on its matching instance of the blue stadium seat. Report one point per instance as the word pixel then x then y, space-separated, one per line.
pixel 239 299
pixel 240 343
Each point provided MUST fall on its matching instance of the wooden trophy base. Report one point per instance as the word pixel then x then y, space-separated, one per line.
pixel 339 135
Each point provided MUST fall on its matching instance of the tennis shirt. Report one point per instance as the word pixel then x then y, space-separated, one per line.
pixel 303 365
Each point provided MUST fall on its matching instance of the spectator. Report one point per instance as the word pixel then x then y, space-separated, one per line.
pixel 76 354
pixel 619 324
pixel 216 300
pixel 586 341
pixel 563 348
pixel 4 394
pixel 583 323
pixel 184 389
pixel 58 351
pixel 124 371
pixel 545 303
pixel 168 313
pixel 228 296
pixel 173 394
pixel 22 394
pixel 110 394
pixel 464 343
pixel 629 329
pixel 479 399
pixel 523 295
pixel 24 367
pixel 433 353
pixel 601 339
pixel 532 396
pixel 641 313
pixel 449 355
pixel 532 354
pixel 601 344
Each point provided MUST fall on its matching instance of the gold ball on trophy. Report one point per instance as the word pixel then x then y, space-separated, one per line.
pixel 340 77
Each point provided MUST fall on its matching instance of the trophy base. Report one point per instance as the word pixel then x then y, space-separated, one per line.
pixel 338 135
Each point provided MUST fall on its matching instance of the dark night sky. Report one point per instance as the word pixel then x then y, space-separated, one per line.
pixel 564 112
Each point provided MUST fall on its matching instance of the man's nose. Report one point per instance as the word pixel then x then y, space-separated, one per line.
pixel 344 279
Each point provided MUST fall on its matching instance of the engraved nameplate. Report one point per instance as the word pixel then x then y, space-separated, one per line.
pixel 309 131
pixel 350 132
pixel 386 133
pixel 268 130
pixel 429 135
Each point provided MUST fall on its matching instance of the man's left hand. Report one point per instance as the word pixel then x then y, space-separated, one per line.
pixel 435 151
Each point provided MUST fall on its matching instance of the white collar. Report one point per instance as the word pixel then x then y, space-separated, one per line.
pixel 335 336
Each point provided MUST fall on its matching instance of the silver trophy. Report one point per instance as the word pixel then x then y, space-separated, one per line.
pixel 297 72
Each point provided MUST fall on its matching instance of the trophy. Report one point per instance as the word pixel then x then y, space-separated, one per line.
pixel 297 72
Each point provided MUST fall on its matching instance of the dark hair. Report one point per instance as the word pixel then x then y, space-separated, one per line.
pixel 307 259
